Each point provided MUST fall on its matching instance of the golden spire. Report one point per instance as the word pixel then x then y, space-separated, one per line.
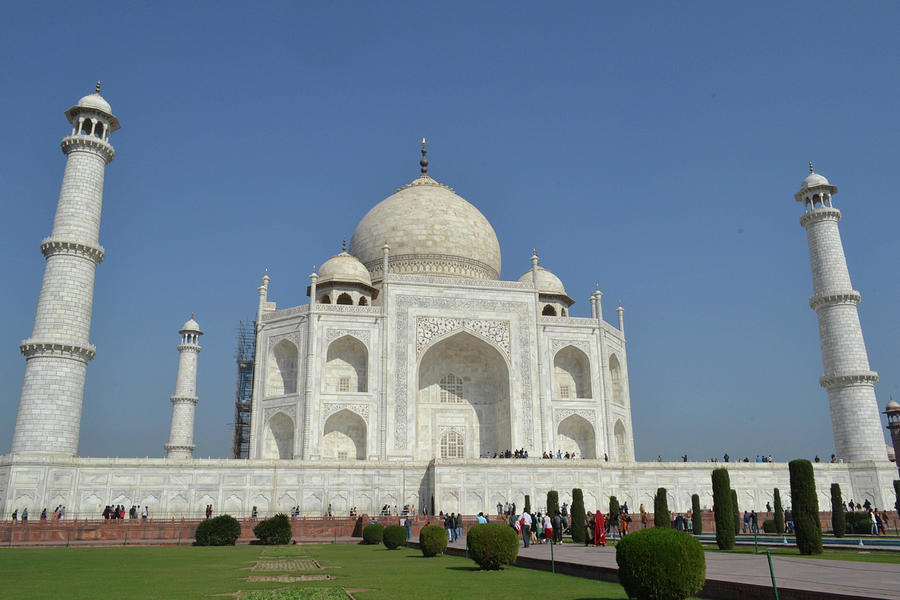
pixel 811 167
pixel 97 89
pixel 424 162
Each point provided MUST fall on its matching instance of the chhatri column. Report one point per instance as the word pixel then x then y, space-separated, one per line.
pixel 57 353
pixel 184 400
pixel 848 379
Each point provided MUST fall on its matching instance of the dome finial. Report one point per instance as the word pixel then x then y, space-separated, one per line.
pixel 344 245
pixel 424 162
pixel 811 167
pixel 97 89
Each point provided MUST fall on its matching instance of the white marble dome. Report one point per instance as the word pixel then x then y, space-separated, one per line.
pixel 431 231
pixel 95 101
pixel 346 268
pixel 548 283
pixel 812 180
pixel 191 325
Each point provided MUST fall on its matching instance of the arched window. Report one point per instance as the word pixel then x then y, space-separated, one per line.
pixel 549 311
pixel 572 370
pixel 278 439
pixel 325 299
pixel 615 377
pixel 346 366
pixel 451 389
pixel 363 301
pixel 452 445
pixel 619 432
pixel 281 370
pixel 563 312
pixel 344 299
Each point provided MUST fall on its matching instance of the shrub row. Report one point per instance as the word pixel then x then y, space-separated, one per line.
pixel 274 530
pixel 223 530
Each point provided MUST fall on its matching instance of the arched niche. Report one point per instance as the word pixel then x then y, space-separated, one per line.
pixel 619 434
pixel 615 379
pixel 344 436
pixel 572 370
pixel 346 366
pixel 281 369
pixel 278 439
pixel 345 299
pixel 549 311
pixel 480 383
pixel 575 433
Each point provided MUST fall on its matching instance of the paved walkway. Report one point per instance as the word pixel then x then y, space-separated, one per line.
pixel 860 579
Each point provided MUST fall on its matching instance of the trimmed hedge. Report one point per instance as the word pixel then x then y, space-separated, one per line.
pixel 779 513
pixel 493 545
pixel 769 526
pixel 373 533
pixel 274 530
pixel 393 536
pixel 660 564
pixel 433 540
pixel 737 512
pixel 696 515
pixel 661 509
pixel 223 530
pixel 528 504
pixel 552 502
pixel 805 509
pixel 578 516
pixel 613 510
pixel 857 522
pixel 838 523
pixel 721 485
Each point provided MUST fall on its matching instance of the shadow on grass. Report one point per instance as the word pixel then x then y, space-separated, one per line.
pixel 468 569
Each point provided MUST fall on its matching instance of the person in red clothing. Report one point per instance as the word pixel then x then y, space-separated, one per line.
pixel 599 529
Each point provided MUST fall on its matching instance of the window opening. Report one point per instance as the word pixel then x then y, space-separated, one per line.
pixel 451 389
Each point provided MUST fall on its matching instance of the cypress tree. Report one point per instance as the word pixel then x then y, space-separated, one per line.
pixel 779 513
pixel 838 521
pixel 552 502
pixel 805 507
pixel 528 504
pixel 661 509
pixel 737 512
pixel 613 510
pixel 721 485
pixel 578 516
pixel 696 515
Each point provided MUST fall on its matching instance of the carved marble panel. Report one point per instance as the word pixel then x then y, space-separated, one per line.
pixel 429 328
pixel 329 408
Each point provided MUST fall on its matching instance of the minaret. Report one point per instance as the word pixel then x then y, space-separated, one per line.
pixel 848 379
pixel 57 353
pixel 184 400
pixel 892 410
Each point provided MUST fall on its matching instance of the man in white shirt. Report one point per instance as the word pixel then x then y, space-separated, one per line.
pixel 525 522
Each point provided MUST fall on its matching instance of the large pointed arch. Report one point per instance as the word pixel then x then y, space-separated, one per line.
pixel 572 373
pixel 278 438
pixel 621 442
pixel 344 436
pixel 616 380
pixel 575 433
pixel 281 369
pixel 346 366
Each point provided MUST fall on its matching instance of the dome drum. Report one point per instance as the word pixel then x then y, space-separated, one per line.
pixel 434 264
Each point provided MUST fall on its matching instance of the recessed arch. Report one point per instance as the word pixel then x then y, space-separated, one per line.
pixel 278 440
pixel 619 433
pixel 346 366
pixel 615 379
pixel 549 311
pixel 481 382
pixel 345 299
pixel 325 299
pixel 344 436
pixel 575 433
pixel 572 370
pixel 363 301
pixel 281 369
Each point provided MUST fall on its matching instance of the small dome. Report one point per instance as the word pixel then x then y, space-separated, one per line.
pixel 344 267
pixel 96 102
pixel 191 326
pixel 813 180
pixel 892 405
pixel 548 283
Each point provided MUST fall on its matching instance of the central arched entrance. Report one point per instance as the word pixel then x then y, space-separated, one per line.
pixel 463 396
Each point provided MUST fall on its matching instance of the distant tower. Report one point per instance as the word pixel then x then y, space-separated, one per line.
pixel 184 400
pixel 848 379
pixel 57 353
pixel 892 410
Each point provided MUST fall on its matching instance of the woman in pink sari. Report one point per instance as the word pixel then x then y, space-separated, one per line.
pixel 599 529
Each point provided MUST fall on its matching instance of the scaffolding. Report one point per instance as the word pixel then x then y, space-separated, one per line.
pixel 246 354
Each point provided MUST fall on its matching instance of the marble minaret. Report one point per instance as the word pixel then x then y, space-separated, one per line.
pixel 848 379
pixel 184 400
pixel 59 349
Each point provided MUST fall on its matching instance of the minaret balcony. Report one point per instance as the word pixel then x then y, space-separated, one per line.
pixel 851 297
pixel 860 377
pixel 87 142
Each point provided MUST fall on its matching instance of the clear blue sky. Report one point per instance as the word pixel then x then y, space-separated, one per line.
pixel 653 148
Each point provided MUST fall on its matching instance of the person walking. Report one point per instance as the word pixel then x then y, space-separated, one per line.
pixel 15 516
pixel 525 525
pixel 457 523
pixel 548 529
pixel 599 529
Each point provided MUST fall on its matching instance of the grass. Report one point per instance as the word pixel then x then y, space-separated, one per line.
pixel 175 572
pixel 873 556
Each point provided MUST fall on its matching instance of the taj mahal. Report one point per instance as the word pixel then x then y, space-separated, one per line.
pixel 407 370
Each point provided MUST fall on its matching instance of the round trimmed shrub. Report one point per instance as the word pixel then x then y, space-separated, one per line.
pixel 661 517
pixel 274 530
pixel 373 533
pixel 838 523
pixel 433 540
pixel 696 515
pixel 578 516
pixel 223 530
pixel 779 513
pixel 721 485
pixel 394 536
pixel 660 564
pixel 805 509
pixel 493 545
pixel 769 526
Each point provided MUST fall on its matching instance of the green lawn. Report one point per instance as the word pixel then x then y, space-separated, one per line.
pixel 875 556
pixel 169 572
